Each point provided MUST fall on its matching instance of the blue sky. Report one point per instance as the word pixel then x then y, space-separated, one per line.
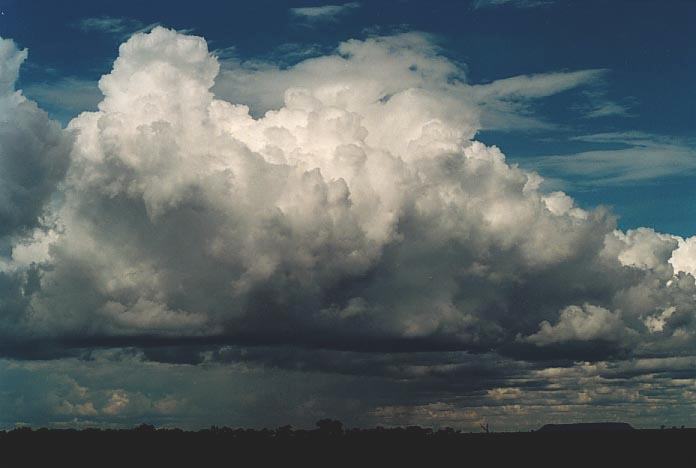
pixel 271 212
pixel 644 47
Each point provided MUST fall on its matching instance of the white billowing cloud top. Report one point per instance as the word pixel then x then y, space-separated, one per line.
pixel 360 209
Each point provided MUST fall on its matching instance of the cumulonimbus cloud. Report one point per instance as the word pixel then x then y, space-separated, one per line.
pixel 360 214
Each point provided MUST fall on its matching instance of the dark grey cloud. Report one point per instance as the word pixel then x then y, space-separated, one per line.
pixel 34 151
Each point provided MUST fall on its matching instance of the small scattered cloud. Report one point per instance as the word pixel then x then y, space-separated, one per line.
pixel 586 323
pixel 293 52
pixel 324 13
pixel 511 3
pixel 121 27
pixel 598 105
pixel 107 24
pixel 70 94
pixel 226 53
pixel 606 109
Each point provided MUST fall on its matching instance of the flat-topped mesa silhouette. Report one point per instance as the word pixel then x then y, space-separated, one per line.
pixel 588 427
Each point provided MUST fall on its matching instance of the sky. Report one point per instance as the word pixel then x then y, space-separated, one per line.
pixel 388 212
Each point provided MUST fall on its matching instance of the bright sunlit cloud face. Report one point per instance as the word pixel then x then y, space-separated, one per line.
pixel 332 228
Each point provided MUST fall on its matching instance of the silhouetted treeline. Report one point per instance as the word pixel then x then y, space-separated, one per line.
pixel 330 444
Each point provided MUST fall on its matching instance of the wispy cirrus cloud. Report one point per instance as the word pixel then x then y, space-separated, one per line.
pixel 537 85
pixel 630 157
pixel 122 27
pixel 599 105
pixel 506 103
pixel 511 3
pixel 68 93
pixel 324 13
pixel 606 109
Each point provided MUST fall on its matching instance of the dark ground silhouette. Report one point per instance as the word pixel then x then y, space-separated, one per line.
pixel 587 427
pixel 333 445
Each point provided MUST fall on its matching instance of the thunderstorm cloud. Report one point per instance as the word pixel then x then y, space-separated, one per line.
pixel 337 217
